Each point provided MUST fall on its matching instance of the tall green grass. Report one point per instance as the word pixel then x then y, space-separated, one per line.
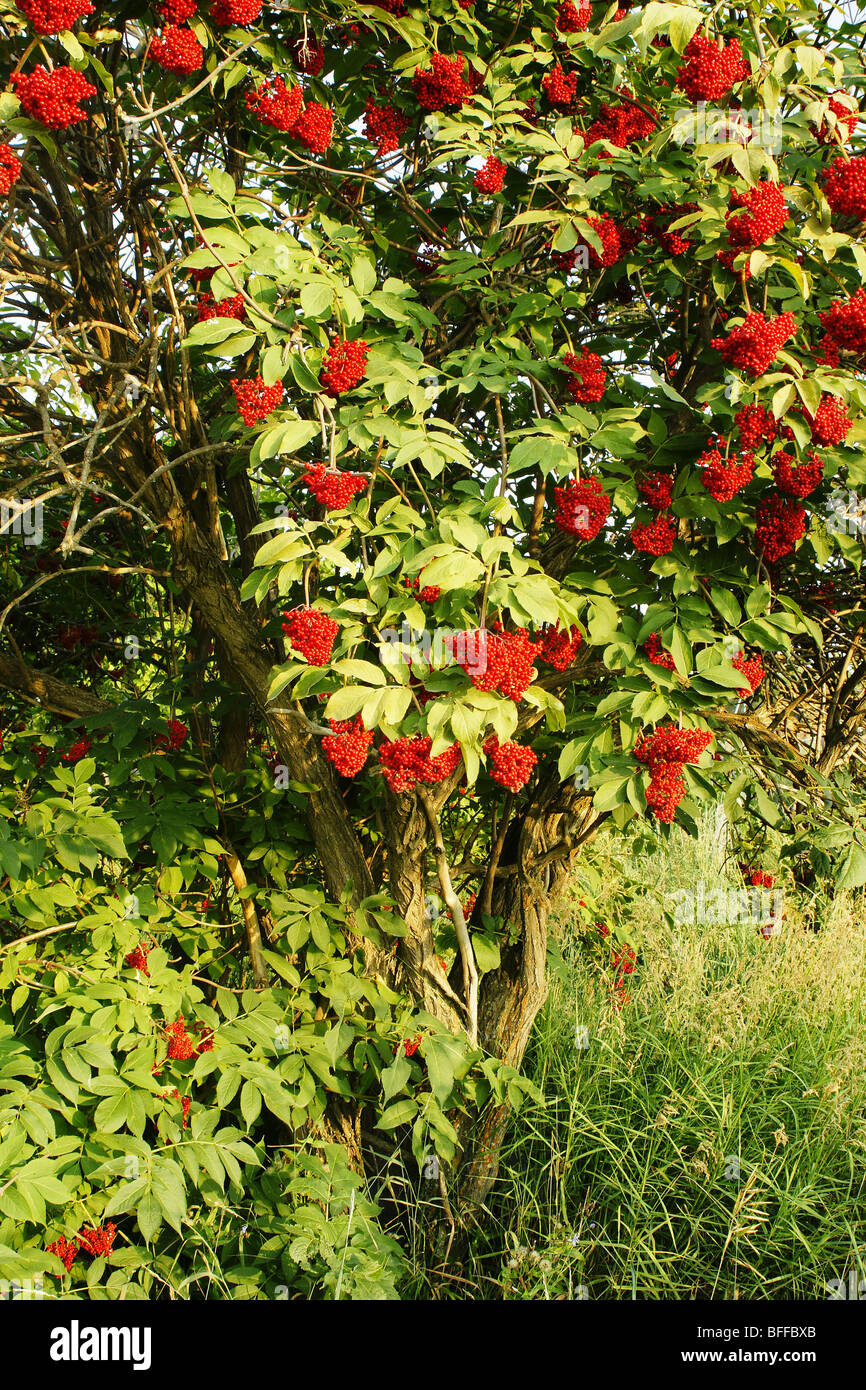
pixel 710 1140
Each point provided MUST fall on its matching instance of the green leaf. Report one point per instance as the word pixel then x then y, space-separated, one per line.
pixel 853 871
pixel 395 1076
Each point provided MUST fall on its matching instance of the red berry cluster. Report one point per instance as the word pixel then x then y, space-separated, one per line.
pixel 560 88
pixel 845 325
pixel 238 13
pixel 582 508
pixel 232 308
pixel 587 376
pixel 312 633
pixel 756 216
pixel 655 537
pixel 665 752
pixel 10 168
pixel 510 763
pixel 831 421
pixel 65 1250
pixel 185 1103
pixel 753 669
pixel 177 50
pixel 780 522
pixel 275 104
pixel 609 234
pixel 384 126
pixel 758 878
pixel 623 963
pixel 255 400
pixel 180 1045
pixel 443 83
pixel 573 19
pixel 710 71
pixel 657 654
pixel 755 343
pixel 344 365
pixel 308 55
pixel 78 750
pixel 497 660
pixel 490 176
pixel 137 959
pixel 559 645
pixel 314 127
pixel 797 477
pixel 53 16
pixel 656 490
pixel 348 745
pixel 407 761
pixel 674 243
pixel 176 736
pixel 98 1240
pixel 52 97
pixel 845 187
pixel 620 125
pixel 332 487
pixel 725 477
pixel 176 11
pixel 428 594
pixel 755 424
pixel 847 118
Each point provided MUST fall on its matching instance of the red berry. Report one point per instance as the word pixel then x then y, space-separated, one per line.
pixel 573 19
pixel 52 97
pixel 275 104
pixel 54 16
pixel 560 88
pixel 725 477
pixel 582 508
pixel 510 764
pixel 494 660
pixel 347 747
pixel 587 376
pixel 333 488
pixel 314 127
pixel 755 216
pixel 797 477
pixel 755 424
pixel 443 83
pixel 755 343
pixel 10 168
pixel 656 537
pixel 344 365
pixel 407 761
pixel 255 400
pixel 831 422
pixel 232 308
pixel 177 50
pixel 312 633
pixel 780 522
pixel 845 187
pixel 384 126
pixel 238 13
pixel 752 669
pixel 710 71
pixel 658 654
pixel 559 646
pixel 490 176
pixel 656 490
